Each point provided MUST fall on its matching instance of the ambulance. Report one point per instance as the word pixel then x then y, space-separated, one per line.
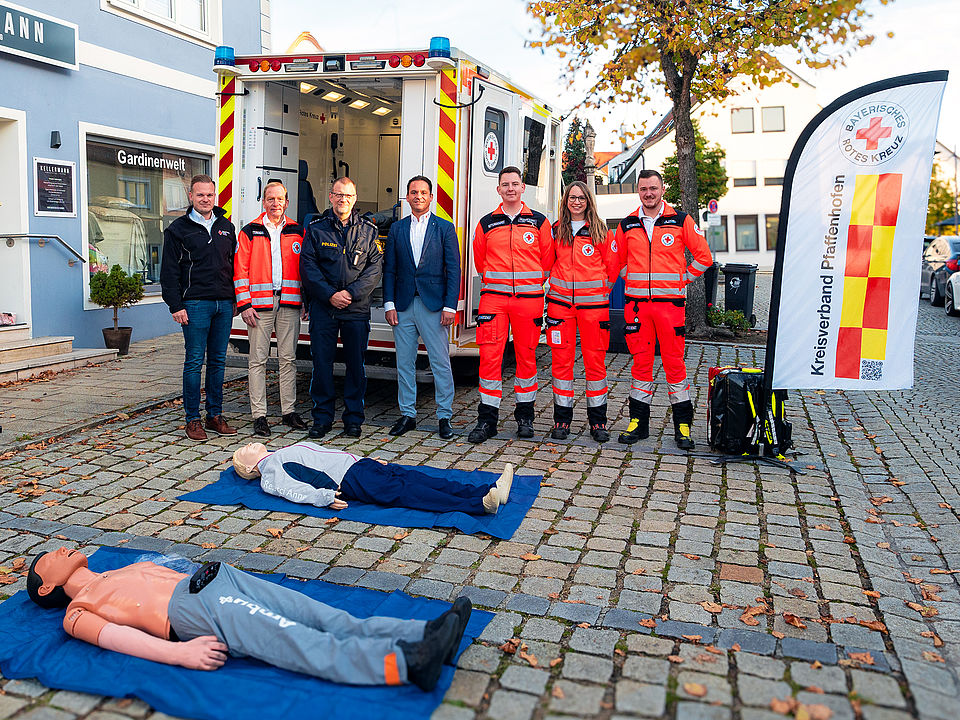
pixel 381 117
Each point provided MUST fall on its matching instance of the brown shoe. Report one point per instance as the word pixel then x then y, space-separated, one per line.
pixel 219 426
pixel 195 430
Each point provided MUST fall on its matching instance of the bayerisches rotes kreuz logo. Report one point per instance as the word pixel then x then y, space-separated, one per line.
pixel 666 239
pixel 529 237
pixel 874 132
pixel 491 151
pixel 296 248
pixel 587 250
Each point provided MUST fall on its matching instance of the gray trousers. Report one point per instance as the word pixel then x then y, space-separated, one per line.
pixel 286 628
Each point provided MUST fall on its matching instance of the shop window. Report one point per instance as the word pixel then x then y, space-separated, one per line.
pixel 773 181
pixel 494 136
pixel 773 225
pixel 745 182
pixel 533 156
pixel 741 120
pixel 134 192
pixel 771 119
pixel 717 236
pixel 746 232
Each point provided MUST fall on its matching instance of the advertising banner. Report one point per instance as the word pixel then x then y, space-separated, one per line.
pixel 843 310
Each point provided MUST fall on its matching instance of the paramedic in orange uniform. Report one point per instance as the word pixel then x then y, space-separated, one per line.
pixel 156 613
pixel 513 253
pixel 266 279
pixel 652 242
pixel 586 267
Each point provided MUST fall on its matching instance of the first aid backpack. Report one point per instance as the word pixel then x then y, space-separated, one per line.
pixel 739 422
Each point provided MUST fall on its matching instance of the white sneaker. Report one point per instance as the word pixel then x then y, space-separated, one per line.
pixel 504 483
pixel 491 501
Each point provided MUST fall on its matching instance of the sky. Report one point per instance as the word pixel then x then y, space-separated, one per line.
pixel 496 32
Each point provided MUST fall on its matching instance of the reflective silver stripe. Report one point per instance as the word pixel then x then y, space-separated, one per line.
pixel 526 382
pixel 642 390
pixel 596 400
pixel 511 275
pixel 679 392
pixel 591 298
pixel 491 384
pixel 557 282
pixel 562 400
pixel 529 396
pixel 699 266
pixel 562 384
pixel 636 276
pixel 492 400
pixel 290 284
pixel 240 282
pixel 492 286
pixel 623 271
pixel 668 292
pixel 242 296
pixel 576 285
pixel 289 297
pixel 512 288
pixel 559 296
pixel 664 276
pixel 262 287
pixel 595 385
pixel 528 288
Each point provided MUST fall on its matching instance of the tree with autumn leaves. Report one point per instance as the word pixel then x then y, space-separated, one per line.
pixel 692 49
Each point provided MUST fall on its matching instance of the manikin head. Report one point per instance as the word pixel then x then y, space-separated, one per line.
pixel 245 460
pixel 49 573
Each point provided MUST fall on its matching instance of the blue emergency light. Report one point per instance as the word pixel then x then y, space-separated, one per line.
pixel 439 47
pixel 223 55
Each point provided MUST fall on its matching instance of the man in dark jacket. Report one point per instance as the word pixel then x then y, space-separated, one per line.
pixel 196 278
pixel 340 268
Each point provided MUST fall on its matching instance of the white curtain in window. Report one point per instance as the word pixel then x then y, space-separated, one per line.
pixel 163 8
pixel 193 14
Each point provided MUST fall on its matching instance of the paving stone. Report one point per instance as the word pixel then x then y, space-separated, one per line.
pixel 524 679
pixel 839 704
pixel 698 711
pixel 29 687
pixel 386 581
pixel 760 666
pixel 575 612
pixel 759 691
pixel 879 658
pixel 10 705
pixel 510 705
pixel 749 641
pixel 527 604
pixel 625 620
pixel 649 645
pixel 45 713
pixel 828 679
pixel 431 588
pixel 467 687
pixel 809 650
pixel 586 667
pixel 672 628
pixel 877 689
pixel 640 698
pixel 718 689
pixel 857 636
pixel 449 712
pixel 259 562
pixel 542 629
pixel 480 658
pixel 483 597
pixel 595 642
pixel 646 669
pixel 343 575
pixel 302 568
pixel 501 628
pixel 576 699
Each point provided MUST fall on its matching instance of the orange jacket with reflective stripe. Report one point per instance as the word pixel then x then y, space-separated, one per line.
pixel 583 272
pixel 253 265
pixel 655 268
pixel 513 257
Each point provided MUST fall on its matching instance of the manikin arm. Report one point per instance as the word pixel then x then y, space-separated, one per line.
pixel 202 653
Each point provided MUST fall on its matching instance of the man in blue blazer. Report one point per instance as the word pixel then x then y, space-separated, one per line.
pixel 421 286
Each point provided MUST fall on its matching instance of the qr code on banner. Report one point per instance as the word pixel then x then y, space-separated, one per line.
pixel 871 369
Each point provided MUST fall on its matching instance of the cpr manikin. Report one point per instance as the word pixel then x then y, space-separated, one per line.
pixel 152 612
pixel 312 474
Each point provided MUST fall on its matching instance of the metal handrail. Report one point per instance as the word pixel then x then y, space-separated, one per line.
pixel 42 236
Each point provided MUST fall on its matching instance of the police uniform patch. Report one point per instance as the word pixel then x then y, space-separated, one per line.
pixel 296 248
pixel 587 249
pixel 666 239
pixel 529 237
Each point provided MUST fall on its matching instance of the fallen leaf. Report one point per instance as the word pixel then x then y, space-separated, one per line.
pixel 276 532
pixel 557 692
pixel 692 638
pixel 529 657
pixel 816 690
pixel 871 593
pixel 777 634
pixel 878 501
pixel 695 689
pixel 798 593
pixel 946 506
pixel 675 659
pixel 529 556
pixel 714 650
pixel 511 646
pixel 821 526
pixel 583 625
pixel 711 607
pixel 922 609
pixel 8 579
pixel 556 661
pixel 941 571
pixel 816 664
pixel 792 619
pixel 937 642
pixel 735 647
pixel 873 625
pixel 784 707
pixel 690 556
pixel 331 521
pixel 647 623
pixel 400 535
pixel 862 657
pixel 816 712
pixel 638 571
pixel 931 656
pixel 883 545
pixel 208 545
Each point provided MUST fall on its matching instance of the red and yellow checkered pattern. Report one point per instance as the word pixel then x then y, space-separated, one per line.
pixel 447 141
pixel 225 143
pixel 866 282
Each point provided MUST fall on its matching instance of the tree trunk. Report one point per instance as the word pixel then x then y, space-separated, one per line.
pixel 116 319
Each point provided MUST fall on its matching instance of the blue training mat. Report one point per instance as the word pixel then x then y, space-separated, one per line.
pixel 231 489
pixel 33 644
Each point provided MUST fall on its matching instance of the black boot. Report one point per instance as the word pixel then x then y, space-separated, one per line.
pixel 425 658
pixel 562 416
pixel 597 417
pixel 487 417
pixel 462 607
pixel 524 416
pixel 639 427
pixel 682 420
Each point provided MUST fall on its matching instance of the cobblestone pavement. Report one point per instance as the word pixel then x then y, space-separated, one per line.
pixel 644 582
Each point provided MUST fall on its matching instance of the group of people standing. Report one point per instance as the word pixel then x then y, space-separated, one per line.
pixel 279 273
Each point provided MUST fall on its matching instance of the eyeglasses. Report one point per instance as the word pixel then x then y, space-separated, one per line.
pixel 576 198
pixel 343 196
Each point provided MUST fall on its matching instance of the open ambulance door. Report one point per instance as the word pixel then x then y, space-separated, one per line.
pixel 494 143
pixel 271 146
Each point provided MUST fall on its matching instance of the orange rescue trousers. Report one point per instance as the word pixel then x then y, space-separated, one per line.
pixel 499 315
pixel 648 321
pixel 561 326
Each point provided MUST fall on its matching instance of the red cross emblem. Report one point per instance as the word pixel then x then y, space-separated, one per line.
pixel 873 133
pixel 323 118
pixel 491 150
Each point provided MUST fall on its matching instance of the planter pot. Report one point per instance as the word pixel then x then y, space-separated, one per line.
pixel 118 339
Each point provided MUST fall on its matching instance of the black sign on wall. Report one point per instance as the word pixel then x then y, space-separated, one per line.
pixel 33 35
pixel 54 188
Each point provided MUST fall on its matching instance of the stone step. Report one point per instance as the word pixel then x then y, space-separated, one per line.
pixel 9 333
pixel 28 349
pixel 31 367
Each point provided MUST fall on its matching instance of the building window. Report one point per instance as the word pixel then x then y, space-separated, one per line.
pixel 134 192
pixel 741 120
pixel 772 119
pixel 746 232
pixel 745 182
pixel 773 181
pixel 533 156
pixel 773 225
pixel 717 236
pixel 494 137
pixel 192 16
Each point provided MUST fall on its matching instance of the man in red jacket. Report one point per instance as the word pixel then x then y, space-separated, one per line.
pixel 266 279
pixel 652 242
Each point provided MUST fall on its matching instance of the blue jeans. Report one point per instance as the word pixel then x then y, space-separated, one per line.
pixel 207 332
pixel 416 321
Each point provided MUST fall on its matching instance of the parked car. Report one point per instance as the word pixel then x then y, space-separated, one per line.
pixel 933 268
pixel 951 294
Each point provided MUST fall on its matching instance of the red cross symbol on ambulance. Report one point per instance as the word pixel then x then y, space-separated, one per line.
pixel 491 150
pixel 873 133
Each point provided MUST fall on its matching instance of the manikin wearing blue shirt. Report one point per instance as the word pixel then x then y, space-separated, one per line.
pixel 325 477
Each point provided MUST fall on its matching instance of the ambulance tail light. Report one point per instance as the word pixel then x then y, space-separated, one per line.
pixel 406 61
pixel 254 65
pixel 264 65
pixel 394 61
pixel 275 65
pixel 418 60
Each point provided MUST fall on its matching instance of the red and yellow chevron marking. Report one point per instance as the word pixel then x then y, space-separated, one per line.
pixel 862 334
pixel 447 137
pixel 225 144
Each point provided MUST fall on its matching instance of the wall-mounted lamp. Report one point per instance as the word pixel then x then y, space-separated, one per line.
pixel 55 139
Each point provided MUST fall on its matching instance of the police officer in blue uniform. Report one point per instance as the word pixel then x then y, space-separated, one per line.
pixel 340 267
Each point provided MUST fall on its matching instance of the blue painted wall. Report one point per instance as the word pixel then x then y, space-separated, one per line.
pixel 59 99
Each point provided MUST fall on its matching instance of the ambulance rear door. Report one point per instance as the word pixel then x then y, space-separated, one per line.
pixel 494 144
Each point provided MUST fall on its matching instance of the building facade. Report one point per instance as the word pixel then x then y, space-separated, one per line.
pixel 109 109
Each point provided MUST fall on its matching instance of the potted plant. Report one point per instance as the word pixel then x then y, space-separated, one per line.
pixel 116 290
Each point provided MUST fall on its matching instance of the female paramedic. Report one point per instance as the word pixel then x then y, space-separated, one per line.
pixel 586 267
